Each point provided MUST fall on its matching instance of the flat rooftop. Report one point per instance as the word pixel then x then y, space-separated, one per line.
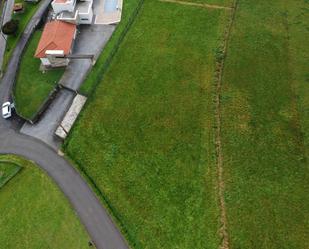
pixel 68 15
pixel 84 6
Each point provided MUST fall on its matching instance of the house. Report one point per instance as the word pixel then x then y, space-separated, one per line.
pixel 80 12
pixel 56 43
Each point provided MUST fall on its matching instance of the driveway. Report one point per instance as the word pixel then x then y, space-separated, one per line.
pixel 91 41
pixel 45 128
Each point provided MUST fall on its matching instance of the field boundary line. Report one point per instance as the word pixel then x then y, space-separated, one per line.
pixel 295 103
pixel 201 5
pixel 220 59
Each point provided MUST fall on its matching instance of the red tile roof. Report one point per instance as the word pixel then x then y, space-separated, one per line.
pixel 57 35
pixel 60 1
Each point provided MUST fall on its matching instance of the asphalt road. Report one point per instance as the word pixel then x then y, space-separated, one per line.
pixel 91 39
pixel 96 220
pixel 9 76
pixel 92 214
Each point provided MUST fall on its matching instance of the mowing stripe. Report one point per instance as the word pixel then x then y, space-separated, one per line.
pixel 14 173
pixel 201 5
pixel 223 231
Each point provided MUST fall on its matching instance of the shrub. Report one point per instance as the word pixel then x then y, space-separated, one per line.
pixel 10 28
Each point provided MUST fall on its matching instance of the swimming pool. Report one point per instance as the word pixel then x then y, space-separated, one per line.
pixel 110 5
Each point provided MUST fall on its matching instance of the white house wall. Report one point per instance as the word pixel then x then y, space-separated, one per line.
pixel 45 62
pixel 59 7
pixel 85 18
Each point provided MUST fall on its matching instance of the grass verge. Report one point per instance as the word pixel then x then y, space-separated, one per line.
pixel 32 86
pixel 35 214
pixel 149 145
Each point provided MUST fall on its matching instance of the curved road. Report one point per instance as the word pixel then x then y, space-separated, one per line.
pixel 103 232
pixel 99 225
pixel 12 67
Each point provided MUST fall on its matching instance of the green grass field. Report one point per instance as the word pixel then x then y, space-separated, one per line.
pixel 7 171
pixel 152 152
pixel 149 144
pixel 32 85
pixel 264 122
pixel 23 18
pixel 34 214
pixel 96 73
pixel 226 3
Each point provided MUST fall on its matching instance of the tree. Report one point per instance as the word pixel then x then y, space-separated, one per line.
pixel 10 28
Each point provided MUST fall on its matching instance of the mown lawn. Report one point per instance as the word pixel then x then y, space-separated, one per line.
pixel 146 136
pixel 35 214
pixel 226 3
pixel 32 85
pixel 7 171
pixel 23 18
pixel 96 73
pixel 264 100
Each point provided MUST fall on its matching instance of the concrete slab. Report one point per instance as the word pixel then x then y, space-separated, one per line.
pixel 71 116
pixel 44 129
pixel 108 11
pixel 90 40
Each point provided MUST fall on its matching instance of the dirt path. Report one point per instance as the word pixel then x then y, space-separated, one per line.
pixel 201 5
pixel 223 231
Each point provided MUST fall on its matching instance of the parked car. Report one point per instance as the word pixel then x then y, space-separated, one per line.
pixel 7 109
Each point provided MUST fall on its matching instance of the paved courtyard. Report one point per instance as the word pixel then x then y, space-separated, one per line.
pixel 45 128
pixel 90 40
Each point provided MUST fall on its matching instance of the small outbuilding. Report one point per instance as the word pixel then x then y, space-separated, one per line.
pixel 56 43
pixel 18 8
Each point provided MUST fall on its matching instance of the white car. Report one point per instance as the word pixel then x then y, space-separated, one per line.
pixel 7 109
